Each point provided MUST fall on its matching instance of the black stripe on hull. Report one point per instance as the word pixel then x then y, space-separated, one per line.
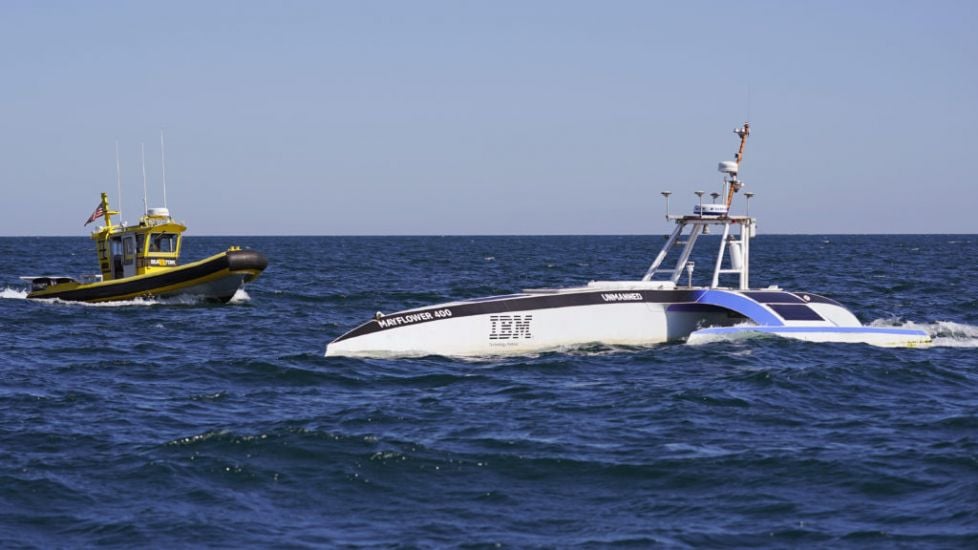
pixel 521 302
pixel 233 260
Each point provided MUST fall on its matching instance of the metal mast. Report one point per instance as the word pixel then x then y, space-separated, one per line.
pixel 163 164
pixel 142 148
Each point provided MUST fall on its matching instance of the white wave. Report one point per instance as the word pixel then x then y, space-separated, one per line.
pixel 120 303
pixel 240 297
pixel 699 338
pixel 179 300
pixel 21 294
pixel 135 302
pixel 943 333
pixel 14 293
pixel 705 451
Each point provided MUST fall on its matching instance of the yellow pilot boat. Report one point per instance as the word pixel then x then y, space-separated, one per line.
pixel 143 262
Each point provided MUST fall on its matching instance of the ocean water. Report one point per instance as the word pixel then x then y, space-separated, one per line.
pixel 180 424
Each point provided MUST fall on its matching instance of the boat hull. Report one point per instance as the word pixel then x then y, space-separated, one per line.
pixel 524 324
pixel 216 278
pixel 622 315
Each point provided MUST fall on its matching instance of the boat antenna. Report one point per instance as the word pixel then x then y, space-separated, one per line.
pixel 748 101
pixel 736 184
pixel 142 148
pixel 742 132
pixel 163 164
pixel 118 175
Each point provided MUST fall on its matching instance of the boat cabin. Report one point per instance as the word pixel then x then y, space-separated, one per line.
pixel 151 246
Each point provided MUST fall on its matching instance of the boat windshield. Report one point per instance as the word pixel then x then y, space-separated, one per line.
pixel 163 242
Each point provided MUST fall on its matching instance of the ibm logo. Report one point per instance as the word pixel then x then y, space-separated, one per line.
pixel 509 327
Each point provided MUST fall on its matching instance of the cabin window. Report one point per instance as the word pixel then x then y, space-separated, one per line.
pixel 127 250
pixel 140 239
pixel 163 242
pixel 115 245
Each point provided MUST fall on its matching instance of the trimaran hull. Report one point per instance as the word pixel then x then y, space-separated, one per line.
pixel 560 319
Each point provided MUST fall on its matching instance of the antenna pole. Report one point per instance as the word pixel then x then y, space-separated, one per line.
pixel 163 164
pixel 118 176
pixel 748 101
pixel 142 148
pixel 736 184
pixel 743 132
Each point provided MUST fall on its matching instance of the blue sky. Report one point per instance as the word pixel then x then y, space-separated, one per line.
pixel 462 117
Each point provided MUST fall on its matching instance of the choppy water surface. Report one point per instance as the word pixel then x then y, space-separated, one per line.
pixel 181 423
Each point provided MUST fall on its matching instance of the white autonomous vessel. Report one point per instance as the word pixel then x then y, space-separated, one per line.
pixel 653 310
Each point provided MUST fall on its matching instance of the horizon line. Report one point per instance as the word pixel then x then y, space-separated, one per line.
pixel 388 235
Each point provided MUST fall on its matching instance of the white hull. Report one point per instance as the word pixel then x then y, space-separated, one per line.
pixel 521 332
pixel 609 313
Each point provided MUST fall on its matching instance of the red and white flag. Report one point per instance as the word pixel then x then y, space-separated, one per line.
pixel 95 215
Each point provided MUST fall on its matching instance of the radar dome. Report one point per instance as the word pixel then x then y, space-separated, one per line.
pixel 728 167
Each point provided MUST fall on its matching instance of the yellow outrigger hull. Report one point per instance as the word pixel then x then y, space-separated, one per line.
pixel 216 278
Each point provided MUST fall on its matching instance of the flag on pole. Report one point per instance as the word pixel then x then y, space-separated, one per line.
pixel 95 215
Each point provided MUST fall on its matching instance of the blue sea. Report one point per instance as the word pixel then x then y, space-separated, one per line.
pixel 176 423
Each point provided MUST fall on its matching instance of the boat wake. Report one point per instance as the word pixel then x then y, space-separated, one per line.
pixel 240 297
pixel 13 293
pixel 946 334
pixel 121 303
pixel 21 294
pixel 699 338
